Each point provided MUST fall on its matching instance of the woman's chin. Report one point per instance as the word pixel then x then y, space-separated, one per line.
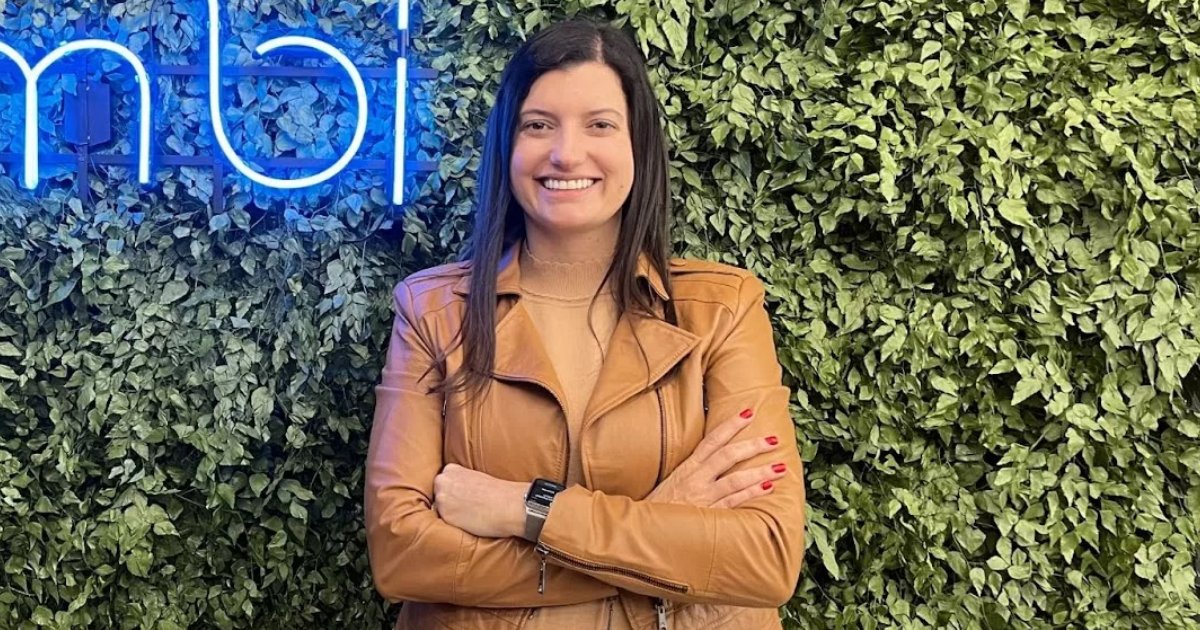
pixel 563 223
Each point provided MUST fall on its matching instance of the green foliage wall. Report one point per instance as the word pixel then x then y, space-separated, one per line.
pixel 977 221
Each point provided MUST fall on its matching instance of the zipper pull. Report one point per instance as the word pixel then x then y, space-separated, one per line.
pixel 660 608
pixel 543 552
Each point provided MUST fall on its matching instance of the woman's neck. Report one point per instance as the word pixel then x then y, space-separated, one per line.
pixel 599 244
pixel 565 268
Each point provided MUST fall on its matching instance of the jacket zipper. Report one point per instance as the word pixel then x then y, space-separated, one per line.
pixel 662 426
pixel 545 552
pixel 566 453
pixel 660 607
pixel 660 612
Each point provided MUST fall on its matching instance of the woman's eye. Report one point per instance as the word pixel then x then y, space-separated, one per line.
pixel 604 124
pixel 535 125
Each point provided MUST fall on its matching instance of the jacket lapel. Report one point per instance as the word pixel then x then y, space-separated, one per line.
pixel 520 354
pixel 641 351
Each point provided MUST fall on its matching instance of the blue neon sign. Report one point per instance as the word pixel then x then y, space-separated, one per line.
pixel 32 74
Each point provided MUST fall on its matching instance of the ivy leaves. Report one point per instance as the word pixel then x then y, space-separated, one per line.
pixel 977 226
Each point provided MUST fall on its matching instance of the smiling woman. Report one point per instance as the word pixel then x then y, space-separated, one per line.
pixel 574 430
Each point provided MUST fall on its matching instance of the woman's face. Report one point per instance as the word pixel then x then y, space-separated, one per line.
pixel 572 161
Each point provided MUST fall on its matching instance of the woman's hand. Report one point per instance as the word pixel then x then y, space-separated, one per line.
pixel 479 503
pixel 698 481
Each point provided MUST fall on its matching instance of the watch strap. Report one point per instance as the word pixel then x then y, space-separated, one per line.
pixel 534 521
pixel 537 506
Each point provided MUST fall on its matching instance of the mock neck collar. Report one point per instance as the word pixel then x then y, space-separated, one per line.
pixel 508 275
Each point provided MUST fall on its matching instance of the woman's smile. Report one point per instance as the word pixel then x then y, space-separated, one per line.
pixel 567 185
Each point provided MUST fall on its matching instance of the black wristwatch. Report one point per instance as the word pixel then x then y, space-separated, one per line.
pixel 537 506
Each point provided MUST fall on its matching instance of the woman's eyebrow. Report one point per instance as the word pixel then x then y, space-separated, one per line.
pixel 605 110
pixel 594 112
pixel 537 112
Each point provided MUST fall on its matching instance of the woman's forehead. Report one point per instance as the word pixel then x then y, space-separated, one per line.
pixel 581 89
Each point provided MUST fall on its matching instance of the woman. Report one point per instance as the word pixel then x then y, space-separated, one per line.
pixel 583 433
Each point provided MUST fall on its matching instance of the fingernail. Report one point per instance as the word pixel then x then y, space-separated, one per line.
pixel 772 440
pixel 767 485
pixel 779 468
pixel 746 413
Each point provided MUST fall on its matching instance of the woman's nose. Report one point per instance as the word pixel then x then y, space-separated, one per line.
pixel 568 150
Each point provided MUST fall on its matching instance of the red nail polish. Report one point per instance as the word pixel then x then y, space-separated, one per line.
pixel 767 485
pixel 779 468
pixel 746 413
pixel 772 440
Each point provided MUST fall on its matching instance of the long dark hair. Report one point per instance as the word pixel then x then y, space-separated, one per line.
pixel 499 219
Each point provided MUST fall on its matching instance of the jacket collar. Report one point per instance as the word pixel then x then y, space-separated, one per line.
pixel 508 278
pixel 640 352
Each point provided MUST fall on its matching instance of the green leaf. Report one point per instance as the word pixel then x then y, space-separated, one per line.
pixel 218 223
pixel 173 291
pixel 1025 388
pixel 1020 572
pixel 263 403
pixel 826 552
pixel 59 290
pixel 139 561
pixel 1026 531
pixel 1151 329
pixel 955 20
pixel 258 482
pixel 533 20
pixel 1083 416
pixel 943 384
pixel 42 616
pixel 293 487
pixel 677 37
pixel 978 579
pixel 930 48
pixel 1110 140
pixel 894 342
pixel 864 142
pixel 1014 211
pixel 226 494
pixel 296 437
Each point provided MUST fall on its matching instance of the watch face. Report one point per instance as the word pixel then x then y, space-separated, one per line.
pixel 543 491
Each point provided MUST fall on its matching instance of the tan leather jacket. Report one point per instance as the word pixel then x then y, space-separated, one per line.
pixel 726 568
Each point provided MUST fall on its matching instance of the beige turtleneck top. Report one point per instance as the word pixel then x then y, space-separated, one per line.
pixel 575 330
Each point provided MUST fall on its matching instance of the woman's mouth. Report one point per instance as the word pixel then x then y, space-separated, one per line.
pixel 567 184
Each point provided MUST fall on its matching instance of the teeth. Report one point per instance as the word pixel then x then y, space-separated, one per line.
pixel 573 184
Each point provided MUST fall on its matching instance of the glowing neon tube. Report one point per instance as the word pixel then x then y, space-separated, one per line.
pixel 30 175
pixel 291 41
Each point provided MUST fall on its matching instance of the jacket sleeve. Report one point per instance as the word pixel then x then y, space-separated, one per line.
pixel 745 556
pixel 414 555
